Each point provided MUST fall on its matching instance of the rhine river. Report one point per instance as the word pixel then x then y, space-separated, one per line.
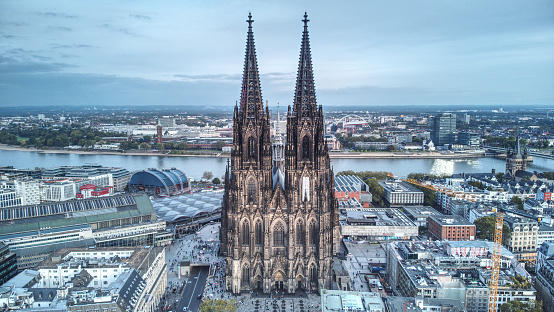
pixel 195 166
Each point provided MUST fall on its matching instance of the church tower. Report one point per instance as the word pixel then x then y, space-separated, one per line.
pixel 279 226
pixel 248 178
pixel 516 160
pixel 309 178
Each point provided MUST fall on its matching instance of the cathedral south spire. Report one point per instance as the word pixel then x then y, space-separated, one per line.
pixel 304 96
pixel 251 104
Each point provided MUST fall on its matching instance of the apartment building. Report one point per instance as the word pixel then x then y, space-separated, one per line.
pixel 399 193
pixel 451 227
pixel 523 238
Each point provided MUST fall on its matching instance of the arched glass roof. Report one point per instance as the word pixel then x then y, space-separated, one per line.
pixel 158 178
pixel 188 205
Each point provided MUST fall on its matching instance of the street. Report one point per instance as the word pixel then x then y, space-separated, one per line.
pixel 194 287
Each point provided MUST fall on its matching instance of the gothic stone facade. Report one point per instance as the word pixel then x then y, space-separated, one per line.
pixel 279 221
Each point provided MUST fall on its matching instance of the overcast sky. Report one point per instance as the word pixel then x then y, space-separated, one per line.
pixel 364 52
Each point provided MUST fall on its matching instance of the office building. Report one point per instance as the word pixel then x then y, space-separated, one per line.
pixel 8 263
pixel 443 128
pixel 399 193
pixel 376 224
pixel 523 238
pixel 33 232
pixel 451 228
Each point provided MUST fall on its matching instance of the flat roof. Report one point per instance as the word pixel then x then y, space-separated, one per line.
pixel 379 216
pixel 451 220
pixel 421 211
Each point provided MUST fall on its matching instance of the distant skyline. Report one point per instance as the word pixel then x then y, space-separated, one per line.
pixel 365 53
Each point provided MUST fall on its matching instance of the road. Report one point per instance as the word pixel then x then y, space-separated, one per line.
pixel 195 286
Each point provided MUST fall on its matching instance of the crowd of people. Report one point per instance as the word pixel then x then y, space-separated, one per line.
pixel 202 247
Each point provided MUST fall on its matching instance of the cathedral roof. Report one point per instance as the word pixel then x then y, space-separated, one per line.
pixel 278 177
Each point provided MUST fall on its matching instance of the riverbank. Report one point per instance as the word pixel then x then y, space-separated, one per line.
pixel 425 155
pixel 354 155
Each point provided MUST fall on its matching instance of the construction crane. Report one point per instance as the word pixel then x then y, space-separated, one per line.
pixel 495 271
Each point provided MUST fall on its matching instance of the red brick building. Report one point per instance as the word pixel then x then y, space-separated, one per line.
pixel 452 228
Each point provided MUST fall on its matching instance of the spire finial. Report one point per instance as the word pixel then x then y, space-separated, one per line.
pixel 305 20
pixel 250 20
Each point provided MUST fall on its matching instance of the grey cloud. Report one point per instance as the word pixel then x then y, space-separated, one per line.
pixel 218 77
pixel 87 89
pixel 140 16
pixel 22 52
pixel 9 66
pixel 62 28
pixel 41 58
pixel 72 46
pixel 54 14
pixel 18 24
pixel 119 29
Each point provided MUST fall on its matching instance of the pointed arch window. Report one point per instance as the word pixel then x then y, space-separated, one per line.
pixel 306 147
pixel 279 235
pixel 313 234
pixel 245 233
pixel 313 274
pixel 300 233
pixel 245 276
pixel 251 147
pixel 251 190
pixel 259 234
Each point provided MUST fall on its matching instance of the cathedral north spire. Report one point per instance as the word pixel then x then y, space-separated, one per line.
pixel 304 96
pixel 251 104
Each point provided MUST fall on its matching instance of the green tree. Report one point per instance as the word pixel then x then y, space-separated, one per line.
pixel 477 184
pixel 376 191
pixel 499 176
pixel 523 142
pixel 143 145
pixel 484 227
pixel 32 140
pixel 216 181
pixel 218 305
pixel 425 176
pixel 147 138
pixel 416 139
pixel 208 175
pixel 219 145
pixel 391 148
pixel 160 146
pixel 183 146
pixel 516 200
pixel 520 306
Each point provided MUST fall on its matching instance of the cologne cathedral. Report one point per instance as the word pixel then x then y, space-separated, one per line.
pixel 279 227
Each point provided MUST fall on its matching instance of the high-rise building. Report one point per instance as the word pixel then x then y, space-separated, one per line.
pixel 166 122
pixel 279 226
pixel 443 129
pixel 8 263
pixel 467 118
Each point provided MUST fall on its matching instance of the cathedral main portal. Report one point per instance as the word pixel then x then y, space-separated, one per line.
pixel 279 282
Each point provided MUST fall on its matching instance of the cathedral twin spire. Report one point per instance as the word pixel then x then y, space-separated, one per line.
pixel 304 95
pixel 251 103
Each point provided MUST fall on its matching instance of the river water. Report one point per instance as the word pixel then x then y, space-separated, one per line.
pixel 196 166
